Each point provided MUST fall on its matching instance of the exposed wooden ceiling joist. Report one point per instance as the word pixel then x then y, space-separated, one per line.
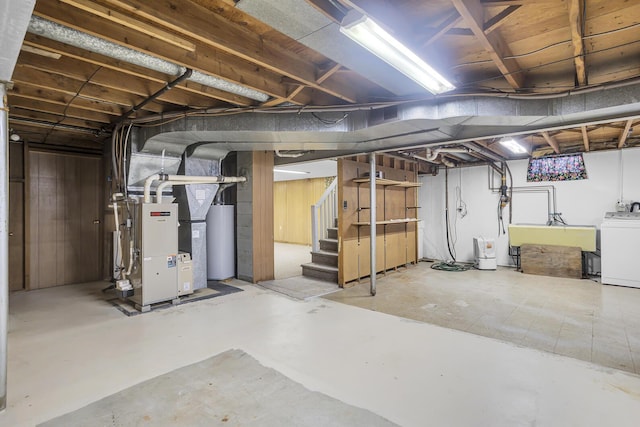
pixel 131 69
pixel 499 19
pixel 625 133
pixel 216 63
pixel 552 142
pixel 207 27
pixel 585 137
pixel 473 14
pixel 451 21
pixel 128 21
pixel 575 24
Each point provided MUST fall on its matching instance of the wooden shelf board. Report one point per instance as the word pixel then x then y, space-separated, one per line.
pixel 388 221
pixel 388 182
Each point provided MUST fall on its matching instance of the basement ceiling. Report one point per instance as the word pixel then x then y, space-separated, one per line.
pixel 86 65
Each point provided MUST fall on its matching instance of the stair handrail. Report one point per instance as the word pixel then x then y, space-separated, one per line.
pixel 323 213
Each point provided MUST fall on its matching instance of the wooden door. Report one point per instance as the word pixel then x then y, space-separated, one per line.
pixel 64 219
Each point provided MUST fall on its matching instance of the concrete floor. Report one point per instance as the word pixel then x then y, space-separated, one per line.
pixel 576 318
pixel 288 259
pixel 68 348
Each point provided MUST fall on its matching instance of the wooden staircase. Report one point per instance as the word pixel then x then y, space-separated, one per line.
pixel 324 263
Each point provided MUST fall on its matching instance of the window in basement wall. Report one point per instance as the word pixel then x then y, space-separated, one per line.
pixel 569 167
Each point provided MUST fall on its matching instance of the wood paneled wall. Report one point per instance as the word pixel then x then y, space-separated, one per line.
pixel 262 182
pixel 396 244
pixel 292 201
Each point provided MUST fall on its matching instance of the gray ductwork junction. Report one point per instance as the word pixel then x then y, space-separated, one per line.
pixel 433 122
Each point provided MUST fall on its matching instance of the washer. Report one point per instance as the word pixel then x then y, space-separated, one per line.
pixel 620 249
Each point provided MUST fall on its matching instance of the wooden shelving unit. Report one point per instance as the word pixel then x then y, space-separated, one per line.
pixel 396 211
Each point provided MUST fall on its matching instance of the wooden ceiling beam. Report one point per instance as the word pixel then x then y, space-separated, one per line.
pixel 111 79
pixel 71 86
pixel 473 14
pixel 44 106
pixel 451 21
pixel 214 30
pixel 625 133
pixel 585 137
pixel 54 119
pixel 552 142
pixel 62 98
pixel 132 70
pixel 499 3
pixel 128 21
pixel 495 22
pixel 205 59
pixel 575 24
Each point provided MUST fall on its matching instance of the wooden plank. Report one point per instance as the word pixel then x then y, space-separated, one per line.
pixel 262 216
pixel 585 138
pixel 471 11
pixel 451 21
pixel 212 29
pixel 495 22
pixel 215 63
pixel 549 260
pixel 131 69
pixel 625 133
pixel 54 96
pixel 113 79
pixel 552 142
pixel 128 21
pixel 52 108
pixel 72 86
pixel 575 24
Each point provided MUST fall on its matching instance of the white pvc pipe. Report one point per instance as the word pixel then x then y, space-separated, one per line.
pixel 147 187
pixel 187 179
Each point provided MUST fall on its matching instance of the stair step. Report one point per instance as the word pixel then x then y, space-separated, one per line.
pixel 325 257
pixel 332 233
pixel 329 245
pixel 320 271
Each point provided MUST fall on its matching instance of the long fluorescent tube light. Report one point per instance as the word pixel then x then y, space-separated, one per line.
pixel 513 146
pixel 290 171
pixel 364 31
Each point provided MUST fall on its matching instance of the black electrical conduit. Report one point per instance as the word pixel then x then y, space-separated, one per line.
pixel 152 97
pixel 123 117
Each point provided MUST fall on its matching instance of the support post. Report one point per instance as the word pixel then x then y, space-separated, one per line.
pixel 372 211
pixel 4 241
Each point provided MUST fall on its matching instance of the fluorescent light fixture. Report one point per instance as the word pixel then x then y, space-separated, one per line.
pixel 513 145
pixel 290 171
pixel 364 31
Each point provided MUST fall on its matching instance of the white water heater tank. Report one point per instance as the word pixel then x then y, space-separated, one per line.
pixel 484 253
pixel 221 250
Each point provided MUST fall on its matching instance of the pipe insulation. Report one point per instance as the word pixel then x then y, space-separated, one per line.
pixel 63 34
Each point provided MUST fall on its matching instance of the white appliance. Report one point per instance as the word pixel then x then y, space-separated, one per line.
pixel 484 253
pixel 620 249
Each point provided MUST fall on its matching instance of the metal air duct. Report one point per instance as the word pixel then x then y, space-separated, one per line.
pixel 63 34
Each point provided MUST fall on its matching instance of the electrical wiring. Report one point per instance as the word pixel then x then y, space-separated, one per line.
pixel 330 122
pixel 542 49
pixel 535 67
pixel 66 107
